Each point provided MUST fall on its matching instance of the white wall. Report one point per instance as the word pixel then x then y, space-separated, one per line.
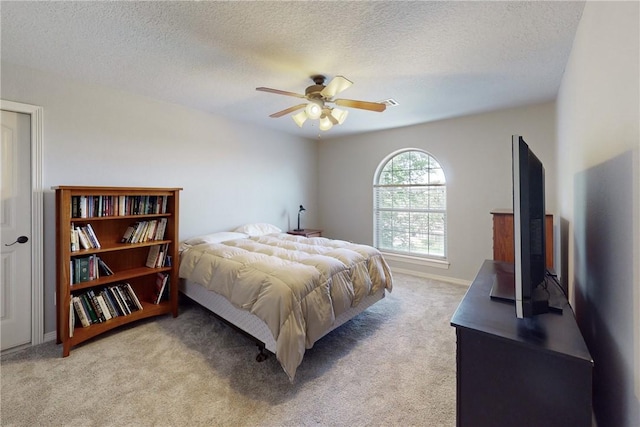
pixel 475 152
pixel 599 200
pixel 232 173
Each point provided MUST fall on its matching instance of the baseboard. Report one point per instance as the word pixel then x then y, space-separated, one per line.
pixel 439 278
pixel 49 336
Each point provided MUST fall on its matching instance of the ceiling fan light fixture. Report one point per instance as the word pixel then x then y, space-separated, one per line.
pixel 300 118
pixel 339 115
pixel 325 123
pixel 313 110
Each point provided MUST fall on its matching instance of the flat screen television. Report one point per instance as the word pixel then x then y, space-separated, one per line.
pixel 531 295
pixel 524 282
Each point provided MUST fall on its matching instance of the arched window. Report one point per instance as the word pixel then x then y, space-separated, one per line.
pixel 410 201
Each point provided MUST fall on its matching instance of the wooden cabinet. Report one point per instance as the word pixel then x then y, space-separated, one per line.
pixel 503 242
pixel 306 233
pixel 109 212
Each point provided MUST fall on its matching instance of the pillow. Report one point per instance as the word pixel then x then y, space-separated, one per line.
pixel 217 237
pixel 258 229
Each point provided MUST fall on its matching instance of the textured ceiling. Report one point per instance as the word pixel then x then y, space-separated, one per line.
pixel 436 59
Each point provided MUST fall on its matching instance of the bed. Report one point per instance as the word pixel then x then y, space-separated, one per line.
pixel 286 291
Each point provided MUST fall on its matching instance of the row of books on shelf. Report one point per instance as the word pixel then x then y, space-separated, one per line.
pixel 92 267
pixel 97 206
pixel 145 231
pixel 101 305
pixel 85 269
pixel 83 237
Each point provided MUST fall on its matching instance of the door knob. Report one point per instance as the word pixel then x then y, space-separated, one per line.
pixel 21 239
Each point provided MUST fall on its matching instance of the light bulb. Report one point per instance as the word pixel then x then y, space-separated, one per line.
pixel 313 110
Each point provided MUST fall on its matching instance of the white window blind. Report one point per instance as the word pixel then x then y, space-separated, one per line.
pixel 410 197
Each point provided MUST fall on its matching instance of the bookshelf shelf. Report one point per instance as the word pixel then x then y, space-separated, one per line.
pixel 108 212
pixel 110 247
pixel 149 310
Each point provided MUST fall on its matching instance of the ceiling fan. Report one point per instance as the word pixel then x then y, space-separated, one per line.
pixel 317 97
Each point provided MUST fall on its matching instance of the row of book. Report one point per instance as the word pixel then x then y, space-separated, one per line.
pixel 83 237
pixel 92 267
pixel 85 269
pixel 98 206
pixel 145 231
pixel 97 306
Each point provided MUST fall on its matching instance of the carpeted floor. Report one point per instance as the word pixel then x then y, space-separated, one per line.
pixel 392 365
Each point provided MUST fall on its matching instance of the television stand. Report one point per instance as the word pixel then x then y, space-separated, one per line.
pixel 545 300
pixel 518 372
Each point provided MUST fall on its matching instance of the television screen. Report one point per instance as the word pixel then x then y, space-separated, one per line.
pixel 531 297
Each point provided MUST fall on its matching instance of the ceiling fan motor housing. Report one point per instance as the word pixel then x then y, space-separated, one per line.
pixel 313 91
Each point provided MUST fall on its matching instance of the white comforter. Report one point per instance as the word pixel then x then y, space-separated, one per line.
pixel 296 285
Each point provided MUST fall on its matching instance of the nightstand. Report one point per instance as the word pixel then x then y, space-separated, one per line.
pixel 308 232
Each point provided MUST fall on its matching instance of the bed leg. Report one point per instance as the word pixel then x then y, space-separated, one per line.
pixel 262 356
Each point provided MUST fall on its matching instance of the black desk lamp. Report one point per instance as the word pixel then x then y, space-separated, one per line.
pixel 302 209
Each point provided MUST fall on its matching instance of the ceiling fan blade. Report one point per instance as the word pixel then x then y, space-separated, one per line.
pixel 335 86
pixel 363 105
pixel 279 92
pixel 288 110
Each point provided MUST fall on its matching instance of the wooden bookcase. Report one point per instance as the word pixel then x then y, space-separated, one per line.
pixel 110 221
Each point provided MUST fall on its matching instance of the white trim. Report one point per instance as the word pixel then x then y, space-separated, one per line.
pixel 50 336
pixel 425 262
pixel 37 217
pixel 439 278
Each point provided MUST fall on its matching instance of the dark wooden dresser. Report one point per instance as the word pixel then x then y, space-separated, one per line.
pixel 518 372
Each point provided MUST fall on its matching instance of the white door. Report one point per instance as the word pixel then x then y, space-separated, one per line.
pixel 15 220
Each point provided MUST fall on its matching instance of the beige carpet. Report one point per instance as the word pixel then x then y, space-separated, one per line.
pixel 393 365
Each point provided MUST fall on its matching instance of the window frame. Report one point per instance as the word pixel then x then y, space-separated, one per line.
pixel 443 211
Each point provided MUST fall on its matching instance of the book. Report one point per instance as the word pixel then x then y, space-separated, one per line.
pixel 165 292
pixel 151 230
pixel 79 309
pixel 75 242
pixel 125 304
pixel 120 305
pixel 152 258
pixel 126 238
pixel 84 239
pixel 161 284
pixel 88 308
pixel 96 306
pixel 162 225
pixel 103 306
pixel 161 288
pixel 133 296
pixel 72 320
pixel 104 267
pixel 82 207
pixel 83 269
pixel 92 236
pixel 93 267
pixel 109 303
